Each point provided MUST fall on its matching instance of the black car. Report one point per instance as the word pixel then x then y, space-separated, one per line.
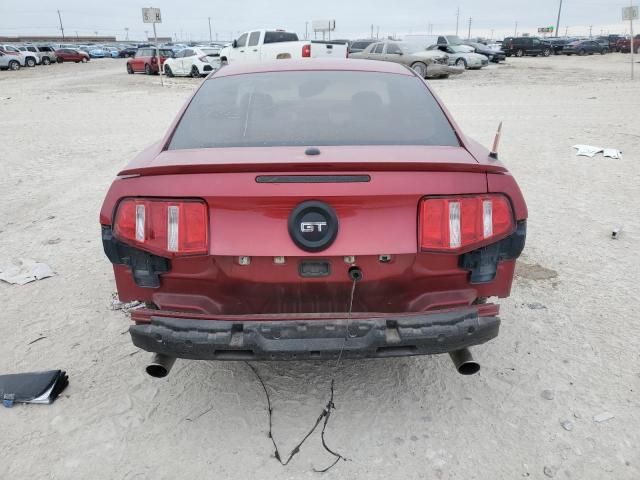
pixel 495 56
pixel 521 46
pixel 585 47
pixel 558 43
pixel 128 52
pixel 359 45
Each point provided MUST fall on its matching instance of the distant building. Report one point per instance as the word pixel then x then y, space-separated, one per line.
pixel 57 39
pixel 160 39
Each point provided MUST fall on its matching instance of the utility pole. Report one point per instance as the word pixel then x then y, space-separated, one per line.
pixel 590 30
pixel 126 29
pixel 566 30
pixel 469 34
pixel 306 30
pixel 210 37
pixel 558 22
pixel 515 33
pixel 372 31
pixel 61 27
pixel 457 20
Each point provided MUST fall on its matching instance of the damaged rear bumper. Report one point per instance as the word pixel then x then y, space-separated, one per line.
pixel 317 339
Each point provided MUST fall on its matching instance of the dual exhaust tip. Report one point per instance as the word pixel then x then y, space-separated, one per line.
pixel 161 365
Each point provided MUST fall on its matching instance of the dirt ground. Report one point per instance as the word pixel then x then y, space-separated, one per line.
pixel 568 348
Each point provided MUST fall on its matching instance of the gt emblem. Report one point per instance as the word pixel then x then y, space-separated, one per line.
pixel 306 227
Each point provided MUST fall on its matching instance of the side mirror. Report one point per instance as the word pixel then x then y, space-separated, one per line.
pixel 235 44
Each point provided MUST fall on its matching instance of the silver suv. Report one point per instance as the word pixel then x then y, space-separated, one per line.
pixel 9 62
pixel 44 55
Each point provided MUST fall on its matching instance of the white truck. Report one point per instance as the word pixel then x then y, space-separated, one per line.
pixel 266 45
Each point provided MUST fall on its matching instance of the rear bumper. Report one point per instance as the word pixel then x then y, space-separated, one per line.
pixel 439 70
pixel 318 339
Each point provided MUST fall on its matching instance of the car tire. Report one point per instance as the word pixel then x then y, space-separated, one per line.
pixel 581 52
pixel 195 73
pixel 14 65
pixel 84 60
pixel 444 76
pixel 60 60
pixel 129 69
pixel 461 62
pixel 519 53
pixel 46 61
pixel 30 62
pixel 546 52
pixel 420 69
pixel 147 69
pixel 167 71
pixel 604 51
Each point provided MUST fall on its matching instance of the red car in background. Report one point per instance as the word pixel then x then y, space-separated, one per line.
pixel 145 60
pixel 72 55
pixel 321 209
pixel 624 44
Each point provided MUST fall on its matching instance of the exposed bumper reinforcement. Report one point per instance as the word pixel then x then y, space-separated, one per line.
pixel 391 336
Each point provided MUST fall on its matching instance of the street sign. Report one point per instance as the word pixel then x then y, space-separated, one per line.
pixel 151 15
pixel 323 25
pixel 545 29
pixel 630 13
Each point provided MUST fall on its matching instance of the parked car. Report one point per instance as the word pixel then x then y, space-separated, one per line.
pixel 521 46
pixel 462 56
pixel 585 47
pixel 428 40
pixel 624 44
pixel 27 59
pixel 266 45
pixel 98 52
pixel 383 229
pixel 359 45
pixel 72 55
pixel 194 62
pixel 127 52
pixel 47 54
pixel 30 51
pixel 9 62
pixel 145 60
pixel 492 54
pixel 425 63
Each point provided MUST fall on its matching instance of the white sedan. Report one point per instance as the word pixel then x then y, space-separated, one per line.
pixel 462 56
pixel 194 62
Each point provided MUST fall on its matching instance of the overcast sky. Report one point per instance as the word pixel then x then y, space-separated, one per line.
pixel 187 19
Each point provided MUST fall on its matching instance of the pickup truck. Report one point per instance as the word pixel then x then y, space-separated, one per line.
pixel 267 45
pixel 284 216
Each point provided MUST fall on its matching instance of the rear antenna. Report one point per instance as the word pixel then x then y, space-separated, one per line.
pixel 496 143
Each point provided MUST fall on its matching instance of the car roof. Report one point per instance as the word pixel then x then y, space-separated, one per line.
pixel 354 65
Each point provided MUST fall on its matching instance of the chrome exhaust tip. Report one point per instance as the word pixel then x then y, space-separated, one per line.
pixel 464 362
pixel 160 365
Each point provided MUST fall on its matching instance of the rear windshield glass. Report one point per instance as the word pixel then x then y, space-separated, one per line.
pixel 277 37
pixel 313 108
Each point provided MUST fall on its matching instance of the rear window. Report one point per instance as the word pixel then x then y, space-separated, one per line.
pixel 277 37
pixel 312 108
pixel 360 45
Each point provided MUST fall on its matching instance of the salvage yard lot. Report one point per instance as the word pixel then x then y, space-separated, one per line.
pixel 567 352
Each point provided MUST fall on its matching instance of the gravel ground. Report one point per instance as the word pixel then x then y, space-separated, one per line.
pixel 568 349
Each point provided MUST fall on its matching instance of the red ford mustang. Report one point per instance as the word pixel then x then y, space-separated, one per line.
pixel 313 210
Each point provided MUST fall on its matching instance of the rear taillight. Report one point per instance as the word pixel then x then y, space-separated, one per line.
pixel 164 227
pixel 452 224
pixel 306 51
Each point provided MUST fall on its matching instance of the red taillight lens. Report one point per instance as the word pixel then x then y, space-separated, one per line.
pixel 163 227
pixel 452 224
pixel 306 51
